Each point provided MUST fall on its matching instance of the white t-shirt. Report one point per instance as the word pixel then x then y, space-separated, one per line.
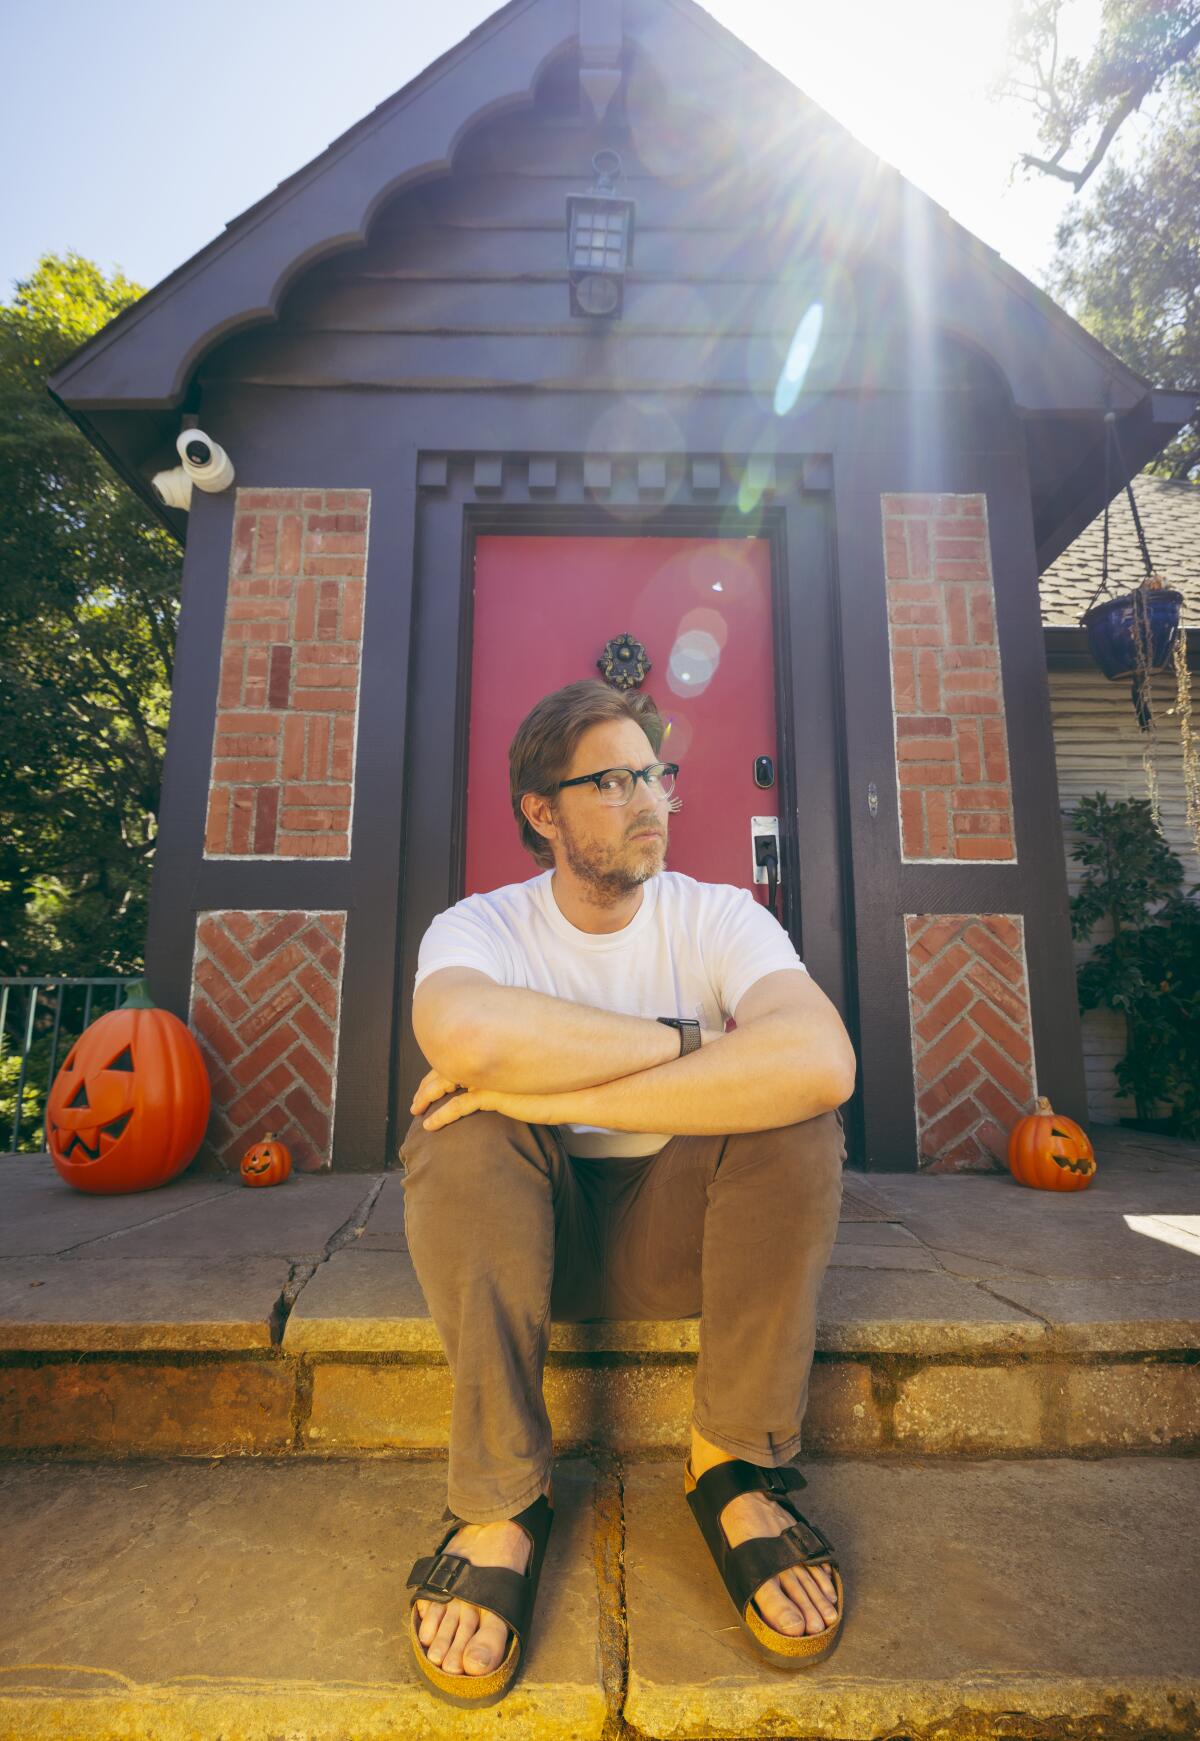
pixel 691 949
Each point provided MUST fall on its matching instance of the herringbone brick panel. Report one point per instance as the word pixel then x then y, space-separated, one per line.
pixel 266 995
pixel 972 1037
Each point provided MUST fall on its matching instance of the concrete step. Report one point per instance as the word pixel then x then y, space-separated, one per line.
pixel 963 1316
pixel 247 1600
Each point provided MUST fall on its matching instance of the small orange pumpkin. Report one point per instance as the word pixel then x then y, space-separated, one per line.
pixel 267 1163
pixel 1050 1152
pixel 129 1106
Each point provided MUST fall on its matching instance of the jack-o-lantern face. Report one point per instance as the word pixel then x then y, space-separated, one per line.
pixel 128 1108
pixel 91 1106
pixel 267 1163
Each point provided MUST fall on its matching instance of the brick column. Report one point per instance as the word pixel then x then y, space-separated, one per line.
pixel 952 767
pixel 283 749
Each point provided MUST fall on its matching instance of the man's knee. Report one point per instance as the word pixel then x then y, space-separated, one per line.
pixel 478 1140
pixel 809 1152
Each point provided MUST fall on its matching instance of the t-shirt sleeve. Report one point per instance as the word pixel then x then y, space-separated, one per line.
pixel 748 942
pixel 459 937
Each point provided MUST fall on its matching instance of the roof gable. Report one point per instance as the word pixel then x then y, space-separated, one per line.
pixel 145 358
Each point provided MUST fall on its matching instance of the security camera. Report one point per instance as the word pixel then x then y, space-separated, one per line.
pixel 207 465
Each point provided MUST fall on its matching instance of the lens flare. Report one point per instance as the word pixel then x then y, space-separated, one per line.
pixel 693 662
pixel 800 355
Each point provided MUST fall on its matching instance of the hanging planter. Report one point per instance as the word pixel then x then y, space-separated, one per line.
pixel 1137 634
pixel 1117 626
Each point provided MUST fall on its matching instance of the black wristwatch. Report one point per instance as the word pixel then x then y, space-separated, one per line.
pixel 689 1032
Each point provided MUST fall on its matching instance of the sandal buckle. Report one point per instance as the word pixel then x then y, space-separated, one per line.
pixel 773 1480
pixel 445 1572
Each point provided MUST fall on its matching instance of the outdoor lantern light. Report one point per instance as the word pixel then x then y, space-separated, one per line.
pixel 599 241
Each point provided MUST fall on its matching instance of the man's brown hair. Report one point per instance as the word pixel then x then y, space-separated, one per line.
pixel 541 751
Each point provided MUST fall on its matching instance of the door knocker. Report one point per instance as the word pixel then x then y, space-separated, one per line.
pixel 624 662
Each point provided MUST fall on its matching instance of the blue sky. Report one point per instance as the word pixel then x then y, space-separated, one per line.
pixel 108 151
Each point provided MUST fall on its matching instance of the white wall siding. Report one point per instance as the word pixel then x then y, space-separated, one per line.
pixel 1098 747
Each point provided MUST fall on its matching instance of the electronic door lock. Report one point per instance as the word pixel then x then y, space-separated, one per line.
pixel 764 854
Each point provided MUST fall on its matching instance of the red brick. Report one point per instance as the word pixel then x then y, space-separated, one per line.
pixel 966 738
pixel 904 681
pixel 912 824
pixel 349 566
pixel 972 703
pixel 250 1066
pixel 1002 1106
pixel 913 592
pixel 952 1124
pixel 336 544
pixel 919 566
pixel 282 1002
pixel 240 924
pixel 909 504
pixel 929 682
pixel 917 637
pixel 315 1029
pixel 313 1121
pixel 948 1087
pixel 351 501
pixel 267 632
pixel 990 986
pixel 313 1074
pixel 289 545
pixel 319 735
pixel 247 722
pixel 319 989
pixel 931 983
pixel 970 682
pixel 313 501
pixel 227 999
pixel 895 553
pixel 1004 929
pixel 313 846
pixel 243 543
pixel 336 793
pixel 981 822
pixel 293 746
pixel 919 725
pixel 957 623
pixel 213 1029
pixel 995 750
pixel 310 677
pixel 331 700
pixel 243 771
pixel 966 549
pixel 935 749
pixel 962 571
pixel 341 761
pixel 274 971
pixel 319 820
pixel 305 611
pixel 275 935
pixel 322 950
pixel 257 610
pixel 926 774
pixel 222 948
pixel 937 815
pixel 983 846
pixel 242 822
pixel 272 500
pixel 1004 1033
pixel 981 798
pixel 899 613
pixel 952 1002
pixel 334 924
pixel 1010 1077
pixel 983 624
pixel 324 653
pixel 254 1102
pixel 279 682
pixel 217 825
pixel 928 937
pixel 970 659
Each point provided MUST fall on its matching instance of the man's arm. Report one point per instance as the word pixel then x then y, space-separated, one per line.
pixel 486 1035
pixel 789 1059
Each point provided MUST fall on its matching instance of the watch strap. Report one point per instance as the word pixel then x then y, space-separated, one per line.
pixel 689 1032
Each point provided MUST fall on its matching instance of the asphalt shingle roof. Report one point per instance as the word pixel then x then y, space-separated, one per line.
pixel 1170 515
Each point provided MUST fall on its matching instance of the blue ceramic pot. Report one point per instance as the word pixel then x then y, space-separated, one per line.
pixel 1112 629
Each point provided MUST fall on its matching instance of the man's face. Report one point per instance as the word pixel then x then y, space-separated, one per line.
pixel 611 848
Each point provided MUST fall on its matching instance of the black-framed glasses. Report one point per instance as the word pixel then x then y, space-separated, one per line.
pixel 616 786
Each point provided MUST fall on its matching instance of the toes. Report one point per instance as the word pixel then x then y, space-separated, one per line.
pixel 819 1609
pixel 486 1648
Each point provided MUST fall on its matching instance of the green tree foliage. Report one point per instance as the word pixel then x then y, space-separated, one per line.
pixel 1127 261
pixel 89 589
pixel 1148 966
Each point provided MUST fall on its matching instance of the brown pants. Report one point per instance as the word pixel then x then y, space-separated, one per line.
pixel 507 1231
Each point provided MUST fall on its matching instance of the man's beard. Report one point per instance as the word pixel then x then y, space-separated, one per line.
pixel 606 879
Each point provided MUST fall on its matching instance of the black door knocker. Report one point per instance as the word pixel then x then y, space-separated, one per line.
pixel 624 662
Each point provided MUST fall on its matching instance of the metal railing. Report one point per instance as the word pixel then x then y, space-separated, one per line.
pixel 31 1039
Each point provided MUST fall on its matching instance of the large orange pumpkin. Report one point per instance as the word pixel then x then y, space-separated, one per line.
pixel 128 1108
pixel 267 1163
pixel 1050 1152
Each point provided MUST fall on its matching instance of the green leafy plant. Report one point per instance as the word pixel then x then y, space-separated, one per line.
pixel 1148 968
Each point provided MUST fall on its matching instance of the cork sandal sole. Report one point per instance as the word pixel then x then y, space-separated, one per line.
pixel 745 1568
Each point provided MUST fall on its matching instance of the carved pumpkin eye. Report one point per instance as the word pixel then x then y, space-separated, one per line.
pixel 123 1061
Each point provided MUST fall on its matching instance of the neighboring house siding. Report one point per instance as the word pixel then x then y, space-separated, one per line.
pixel 1098 747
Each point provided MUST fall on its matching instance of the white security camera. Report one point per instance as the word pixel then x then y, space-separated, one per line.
pixel 208 465
pixel 205 464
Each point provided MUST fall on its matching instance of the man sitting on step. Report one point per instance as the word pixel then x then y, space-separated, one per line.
pixel 590 1142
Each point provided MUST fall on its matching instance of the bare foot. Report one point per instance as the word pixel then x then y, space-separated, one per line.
pixel 798 1600
pixel 458 1637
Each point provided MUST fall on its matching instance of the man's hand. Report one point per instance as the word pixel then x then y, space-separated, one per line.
pixel 432 1088
pixel 529 1108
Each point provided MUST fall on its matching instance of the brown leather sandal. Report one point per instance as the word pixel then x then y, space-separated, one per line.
pixel 442 1576
pixel 744 1568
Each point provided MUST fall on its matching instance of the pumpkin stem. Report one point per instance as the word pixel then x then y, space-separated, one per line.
pixel 1042 1104
pixel 138 997
pixel 270 1137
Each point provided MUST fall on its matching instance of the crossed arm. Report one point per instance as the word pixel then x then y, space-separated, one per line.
pixel 548 1061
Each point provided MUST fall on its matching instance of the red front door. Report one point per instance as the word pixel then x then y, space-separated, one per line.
pixel 544 609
